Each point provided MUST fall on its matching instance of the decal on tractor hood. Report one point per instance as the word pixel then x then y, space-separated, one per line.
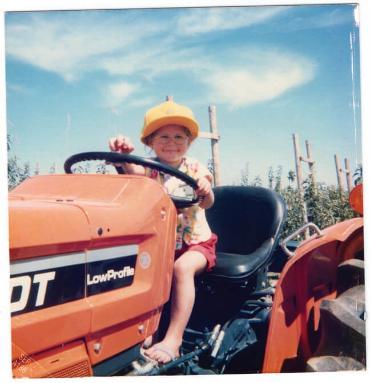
pixel 48 281
pixel 127 271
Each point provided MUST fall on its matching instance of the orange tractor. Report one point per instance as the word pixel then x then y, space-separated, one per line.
pixel 91 259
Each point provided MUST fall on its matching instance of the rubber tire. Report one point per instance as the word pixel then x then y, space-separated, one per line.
pixel 343 345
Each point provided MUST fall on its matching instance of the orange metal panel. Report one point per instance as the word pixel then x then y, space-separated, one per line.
pixel 70 213
pixel 40 330
pixel 110 341
pixel 308 278
pixel 38 228
pixel 69 360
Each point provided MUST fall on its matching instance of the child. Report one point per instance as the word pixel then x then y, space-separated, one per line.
pixel 169 129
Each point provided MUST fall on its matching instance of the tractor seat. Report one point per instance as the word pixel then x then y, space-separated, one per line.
pixel 247 221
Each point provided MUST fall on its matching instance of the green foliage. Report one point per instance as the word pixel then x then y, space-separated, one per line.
pixel 102 169
pixel 257 181
pixel 324 204
pixel 16 173
pixel 244 180
pixel 358 175
pixel 294 219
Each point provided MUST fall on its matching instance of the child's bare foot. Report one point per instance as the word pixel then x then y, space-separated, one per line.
pixel 163 352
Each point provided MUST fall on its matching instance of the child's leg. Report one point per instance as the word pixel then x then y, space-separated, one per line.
pixel 186 267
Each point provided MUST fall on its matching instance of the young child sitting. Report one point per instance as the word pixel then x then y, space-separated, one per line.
pixel 169 129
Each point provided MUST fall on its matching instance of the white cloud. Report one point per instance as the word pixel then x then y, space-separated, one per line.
pixel 17 88
pixel 70 46
pixel 268 76
pixel 329 19
pixel 211 19
pixel 154 61
pixel 116 93
pixel 338 16
pixel 129 46
pixel 120 43
pixel 141 102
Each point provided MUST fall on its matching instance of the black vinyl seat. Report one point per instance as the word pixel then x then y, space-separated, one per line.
pixel 247 220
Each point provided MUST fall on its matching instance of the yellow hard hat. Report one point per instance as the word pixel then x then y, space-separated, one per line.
pixel 169 113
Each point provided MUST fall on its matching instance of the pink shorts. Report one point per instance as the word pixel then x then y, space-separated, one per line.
pixel 207 248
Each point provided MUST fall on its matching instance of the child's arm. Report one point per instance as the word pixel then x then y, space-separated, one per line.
pixel 124 145
pixel 205 192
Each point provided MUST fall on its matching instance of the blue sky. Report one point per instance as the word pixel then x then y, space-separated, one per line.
pixel 75 79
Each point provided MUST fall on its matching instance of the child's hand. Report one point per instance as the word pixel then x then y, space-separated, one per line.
pixel 204 187
pixel 121 144
pixel 205 193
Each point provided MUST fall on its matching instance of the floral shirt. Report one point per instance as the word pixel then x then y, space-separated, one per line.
pixel 192 226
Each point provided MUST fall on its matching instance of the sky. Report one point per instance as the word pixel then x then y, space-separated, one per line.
pixel 76 78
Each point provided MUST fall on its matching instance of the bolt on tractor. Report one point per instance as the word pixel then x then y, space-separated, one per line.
pixel 91 259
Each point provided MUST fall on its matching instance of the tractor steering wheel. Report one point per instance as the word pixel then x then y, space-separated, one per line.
pixel 113 157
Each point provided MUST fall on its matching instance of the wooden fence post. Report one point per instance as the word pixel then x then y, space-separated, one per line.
pixel 215 144
pixel 299 180
pixel 347 170
pixel 215 138
pixel 339 176
pixel 311 166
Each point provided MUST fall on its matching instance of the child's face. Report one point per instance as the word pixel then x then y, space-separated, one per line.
pixel 170 143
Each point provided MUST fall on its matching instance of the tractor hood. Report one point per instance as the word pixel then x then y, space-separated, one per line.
pixel 66 213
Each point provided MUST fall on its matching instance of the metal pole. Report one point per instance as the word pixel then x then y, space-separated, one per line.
pixel 215 145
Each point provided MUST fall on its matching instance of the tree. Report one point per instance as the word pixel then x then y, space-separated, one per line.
pixel 257 181
pixel 358 177
pixel 275 178
pixel 278 179
pixel 52 169
pixel 244 179
pixel 270 177
pixel 102 169
pixel 16 172
pixel 324 204
pixel 211 167
pixel 291 177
